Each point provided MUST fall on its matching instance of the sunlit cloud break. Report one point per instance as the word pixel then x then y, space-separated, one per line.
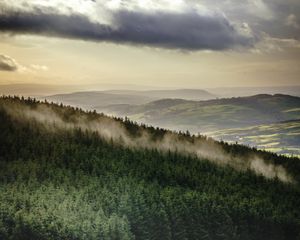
pixel 187 27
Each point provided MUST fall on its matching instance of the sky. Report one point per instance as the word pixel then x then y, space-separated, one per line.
pixel 150 43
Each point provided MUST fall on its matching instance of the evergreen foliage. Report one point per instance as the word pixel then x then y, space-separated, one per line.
pixel 72 184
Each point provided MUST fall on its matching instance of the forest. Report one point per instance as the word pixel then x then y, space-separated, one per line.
pixel 61 180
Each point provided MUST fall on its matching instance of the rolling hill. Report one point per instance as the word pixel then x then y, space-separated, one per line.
pixel 92 100
pixel 35 90
pixel 205 116
pixel 226 92
pixel 99 99
pixel 188 94
pixel 70 174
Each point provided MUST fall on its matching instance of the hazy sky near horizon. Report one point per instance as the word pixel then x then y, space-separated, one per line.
pixel 161 43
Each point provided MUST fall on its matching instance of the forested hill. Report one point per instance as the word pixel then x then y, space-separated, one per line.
pixel 70 174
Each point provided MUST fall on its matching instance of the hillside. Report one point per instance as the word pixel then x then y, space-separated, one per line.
pixel 92 100
pixel 70 174
pixel 35 89
pixel 205 116
pixel 100 99
pixel 282 137
pixel 188 94
pixel 226 92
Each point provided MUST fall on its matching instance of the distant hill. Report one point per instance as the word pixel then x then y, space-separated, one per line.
pixel 98 99
pixel 188 94
pixel 91 100
pixel 225 92
pixel 35 90
pixel 38 90
pixel 27 89
pixel 66 173
pixel 204 116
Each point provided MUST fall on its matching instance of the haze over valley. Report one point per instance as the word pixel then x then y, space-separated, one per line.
pixel 267 120
pixel 228 119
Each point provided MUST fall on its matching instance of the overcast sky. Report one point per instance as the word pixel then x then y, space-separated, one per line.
pixel 162 43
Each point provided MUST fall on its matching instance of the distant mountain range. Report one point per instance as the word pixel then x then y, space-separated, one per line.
pixel 204 116
pixel 225 92
pixel 188 94
pixel 35 90
pixel 202 93
pixel 92 100
pixel 99 99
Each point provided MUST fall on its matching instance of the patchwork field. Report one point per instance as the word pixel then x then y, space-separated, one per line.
pixel 282 138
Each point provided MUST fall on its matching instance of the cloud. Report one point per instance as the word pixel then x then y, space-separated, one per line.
pixel 188 29
pixel 179 24
pixel 271 18
pixel 8 64
pixel 291 21
pixel 39 67
pixel 11 65
pixel 276 45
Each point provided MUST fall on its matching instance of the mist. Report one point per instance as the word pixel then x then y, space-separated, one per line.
pixel 112 129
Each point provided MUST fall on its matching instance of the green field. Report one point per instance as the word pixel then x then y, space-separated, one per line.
pixel 282 138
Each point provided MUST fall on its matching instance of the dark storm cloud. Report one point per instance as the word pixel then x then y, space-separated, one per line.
pixel 185 31
pixel 286 21
pixel 8 64
pixel 277 18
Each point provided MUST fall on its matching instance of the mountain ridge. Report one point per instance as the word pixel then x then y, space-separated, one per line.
pixel 196 115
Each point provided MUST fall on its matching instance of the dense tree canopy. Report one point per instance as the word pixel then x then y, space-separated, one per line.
pixel 73 184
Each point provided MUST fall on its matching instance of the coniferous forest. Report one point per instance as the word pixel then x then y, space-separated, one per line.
pixel 72 183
